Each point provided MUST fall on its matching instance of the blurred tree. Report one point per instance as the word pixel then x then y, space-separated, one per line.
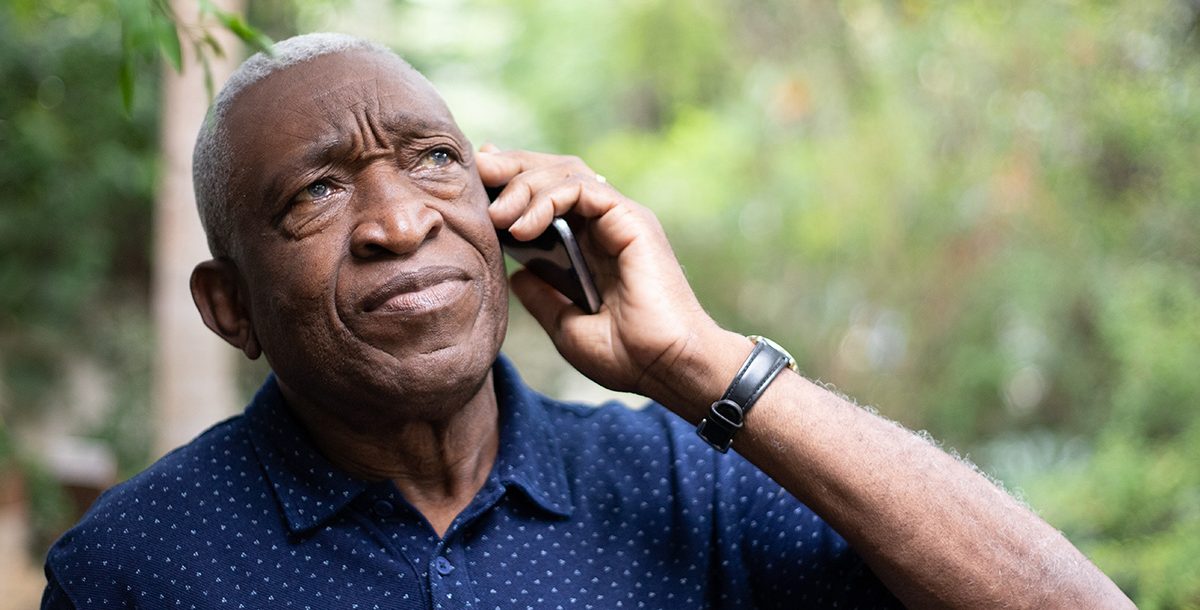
pixel 78 178
pixel 194 382
pixel 79 175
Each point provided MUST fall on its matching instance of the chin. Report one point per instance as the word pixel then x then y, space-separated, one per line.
pixel 445 371
pixel 366 393
pixel 433 376
pixel 373 374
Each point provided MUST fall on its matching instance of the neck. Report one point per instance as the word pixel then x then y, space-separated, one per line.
pixel 438 465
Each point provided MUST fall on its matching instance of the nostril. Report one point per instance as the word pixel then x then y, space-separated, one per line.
pixel 371 250
pixel 434 229
pixel 399 232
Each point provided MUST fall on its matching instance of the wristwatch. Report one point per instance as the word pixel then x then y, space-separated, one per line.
pixel 728 415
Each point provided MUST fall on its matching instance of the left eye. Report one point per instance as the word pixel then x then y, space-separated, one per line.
pixel 440 157
pixel 315 192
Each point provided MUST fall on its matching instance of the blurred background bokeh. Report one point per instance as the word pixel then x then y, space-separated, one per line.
pixel 978 217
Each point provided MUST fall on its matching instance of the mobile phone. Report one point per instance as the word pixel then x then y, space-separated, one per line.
pixel 555 257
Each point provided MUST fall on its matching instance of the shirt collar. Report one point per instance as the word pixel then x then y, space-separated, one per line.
pixel 310 489
pixel 529 457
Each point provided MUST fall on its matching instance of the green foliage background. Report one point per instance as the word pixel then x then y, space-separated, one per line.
pixel 978 216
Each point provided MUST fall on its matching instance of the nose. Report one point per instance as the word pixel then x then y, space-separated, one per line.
pixel 393 218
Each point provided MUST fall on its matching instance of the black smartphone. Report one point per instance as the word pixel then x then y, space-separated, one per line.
pixel 555 257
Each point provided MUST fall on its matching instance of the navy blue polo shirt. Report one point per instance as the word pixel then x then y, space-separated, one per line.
pixel 585 508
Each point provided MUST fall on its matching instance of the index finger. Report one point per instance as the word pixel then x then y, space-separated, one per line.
pixel 497 168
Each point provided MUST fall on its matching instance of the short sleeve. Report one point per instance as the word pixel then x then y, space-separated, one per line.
pixel 55 597
pixel 792 557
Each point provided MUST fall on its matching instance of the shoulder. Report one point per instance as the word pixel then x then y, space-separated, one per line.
pixel 618 428
pixel 213 454
pixel 134 521
pixel 645 455
pixel 657 471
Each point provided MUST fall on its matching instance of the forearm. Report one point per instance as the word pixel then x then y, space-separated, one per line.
pixel 936 531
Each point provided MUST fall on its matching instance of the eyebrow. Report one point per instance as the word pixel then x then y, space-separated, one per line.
pixel 330 147
pixel 313 156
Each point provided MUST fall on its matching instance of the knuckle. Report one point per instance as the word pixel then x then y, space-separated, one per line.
pixel 643 214
pixel 575 166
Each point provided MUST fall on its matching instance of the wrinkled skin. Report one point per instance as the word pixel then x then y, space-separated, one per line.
pixel 370 272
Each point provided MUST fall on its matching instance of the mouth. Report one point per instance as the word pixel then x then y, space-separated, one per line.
pixel 417 291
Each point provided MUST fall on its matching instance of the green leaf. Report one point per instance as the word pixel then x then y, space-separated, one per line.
pixel 211 42
pixel 247 33
pixel 138 33
pixel 125 74
pixel 126 79
pixel 168 41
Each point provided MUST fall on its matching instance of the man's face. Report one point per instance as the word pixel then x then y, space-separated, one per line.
pixel 373 270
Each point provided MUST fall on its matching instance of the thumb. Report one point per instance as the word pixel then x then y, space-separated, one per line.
pixel 549 307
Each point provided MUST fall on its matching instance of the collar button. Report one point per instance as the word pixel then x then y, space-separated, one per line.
pixel 383 508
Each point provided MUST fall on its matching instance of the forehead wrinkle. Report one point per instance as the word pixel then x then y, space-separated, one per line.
pixel 361 99
pixel 312 142
pixel 422 122
pixel 352 117
pixel 369 96
pixel 369 126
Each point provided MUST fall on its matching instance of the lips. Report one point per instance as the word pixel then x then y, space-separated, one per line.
pixel 413 291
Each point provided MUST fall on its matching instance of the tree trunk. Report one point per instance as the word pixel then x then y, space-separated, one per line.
pixel 194 374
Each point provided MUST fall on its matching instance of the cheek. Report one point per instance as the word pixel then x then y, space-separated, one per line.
pixel 472 222
pixel 297 284
pixel 297 329
pixel 290 313
pixel 302 273
pixel 474 226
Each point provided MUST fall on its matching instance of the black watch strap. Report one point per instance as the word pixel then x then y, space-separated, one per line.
pixel 728 415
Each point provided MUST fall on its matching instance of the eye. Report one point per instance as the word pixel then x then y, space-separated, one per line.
pixel 318 190
pixel 315 191
pixel 437 158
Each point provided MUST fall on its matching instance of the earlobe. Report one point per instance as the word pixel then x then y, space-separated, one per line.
pixel 217 292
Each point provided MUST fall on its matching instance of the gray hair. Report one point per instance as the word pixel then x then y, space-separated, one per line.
pixel 212 159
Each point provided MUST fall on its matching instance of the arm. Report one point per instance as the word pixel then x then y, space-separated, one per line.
pixel 54 597
pixel 936 532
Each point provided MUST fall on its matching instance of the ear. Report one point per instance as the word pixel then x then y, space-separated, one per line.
pixel 217 291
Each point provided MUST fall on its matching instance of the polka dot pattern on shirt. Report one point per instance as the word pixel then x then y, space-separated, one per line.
pixel 585 508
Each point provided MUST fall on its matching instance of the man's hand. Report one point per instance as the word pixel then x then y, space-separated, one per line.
pixel 936 532
pixel 650 320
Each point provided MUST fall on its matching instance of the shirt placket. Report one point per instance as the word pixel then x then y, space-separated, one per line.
pixel 449 585
pixel 440 563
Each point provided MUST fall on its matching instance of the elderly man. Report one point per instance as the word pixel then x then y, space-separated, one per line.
pixel 395 459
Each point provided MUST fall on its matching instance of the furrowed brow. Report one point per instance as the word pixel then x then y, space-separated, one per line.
pixel 398 127
pixel 405 126
pixel 319 154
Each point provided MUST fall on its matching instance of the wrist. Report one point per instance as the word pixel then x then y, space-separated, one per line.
pixel 690 382
pixel 727 416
